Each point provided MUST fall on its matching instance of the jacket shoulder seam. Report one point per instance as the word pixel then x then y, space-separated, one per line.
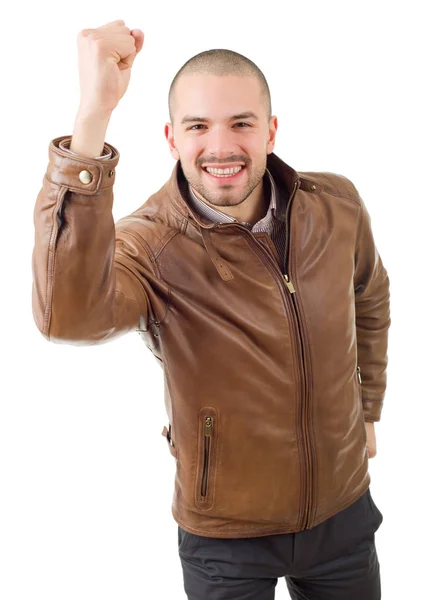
pixel 334 190
pixel 164 241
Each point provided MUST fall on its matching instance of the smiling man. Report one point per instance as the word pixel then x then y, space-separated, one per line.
pixel 223 154
pixel 260 291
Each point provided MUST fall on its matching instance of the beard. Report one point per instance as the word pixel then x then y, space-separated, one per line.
pixel 226 194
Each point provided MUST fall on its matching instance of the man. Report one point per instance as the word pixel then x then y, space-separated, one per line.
pixel 260 291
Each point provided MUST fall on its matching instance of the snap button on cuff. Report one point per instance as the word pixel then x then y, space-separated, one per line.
pixel 85 176
pixel 313 187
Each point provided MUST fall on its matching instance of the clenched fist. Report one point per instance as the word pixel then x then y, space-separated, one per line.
pixel 105 58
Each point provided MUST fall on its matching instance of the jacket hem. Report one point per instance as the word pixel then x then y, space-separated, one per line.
pixel 271 531
pixel 348 503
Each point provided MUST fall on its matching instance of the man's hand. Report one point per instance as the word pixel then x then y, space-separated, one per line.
pixel 105 58
pixel 371 444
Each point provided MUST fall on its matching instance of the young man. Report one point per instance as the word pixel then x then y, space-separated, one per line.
pixel 260 291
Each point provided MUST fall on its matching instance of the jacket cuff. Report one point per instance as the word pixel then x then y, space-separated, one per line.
pixel 372 410
pixel 64 144
pixel 79 173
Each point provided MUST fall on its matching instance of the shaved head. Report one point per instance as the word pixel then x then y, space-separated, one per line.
pixel 220 62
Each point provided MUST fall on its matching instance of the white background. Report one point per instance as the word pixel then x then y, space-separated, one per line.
pixel 86 479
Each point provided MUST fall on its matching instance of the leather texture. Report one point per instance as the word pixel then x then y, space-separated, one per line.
pixel 268 383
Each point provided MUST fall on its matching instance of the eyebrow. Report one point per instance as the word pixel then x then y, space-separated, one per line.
pixel 244 115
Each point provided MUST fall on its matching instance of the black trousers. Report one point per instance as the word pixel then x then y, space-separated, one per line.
pixel 336 560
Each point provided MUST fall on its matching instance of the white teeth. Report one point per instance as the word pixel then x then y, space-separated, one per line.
pixel 223 172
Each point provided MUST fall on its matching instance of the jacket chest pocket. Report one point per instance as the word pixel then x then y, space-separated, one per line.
pixel 207 457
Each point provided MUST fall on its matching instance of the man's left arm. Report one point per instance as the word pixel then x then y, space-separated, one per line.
pixel 372 308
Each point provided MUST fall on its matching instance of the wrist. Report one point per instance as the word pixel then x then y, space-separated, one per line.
pixel 89 115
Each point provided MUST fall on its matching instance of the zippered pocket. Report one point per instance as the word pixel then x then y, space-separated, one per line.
pixel 208 424
pixel 207 445
pixel 167 434
pixel 360 400
pixel 359 375
pixel 359 388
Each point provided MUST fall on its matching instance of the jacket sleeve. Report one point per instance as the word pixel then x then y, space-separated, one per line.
pixel 372 308
pixel 87 273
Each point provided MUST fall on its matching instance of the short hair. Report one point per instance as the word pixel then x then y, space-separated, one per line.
pixel 220 61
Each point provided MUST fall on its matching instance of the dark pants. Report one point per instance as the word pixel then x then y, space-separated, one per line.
pixel 336 560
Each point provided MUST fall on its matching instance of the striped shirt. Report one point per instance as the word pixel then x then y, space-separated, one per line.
pixel 273 223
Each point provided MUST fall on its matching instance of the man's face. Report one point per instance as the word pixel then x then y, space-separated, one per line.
pixel 221 133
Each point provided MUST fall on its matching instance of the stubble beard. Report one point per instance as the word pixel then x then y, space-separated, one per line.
pixel 224 198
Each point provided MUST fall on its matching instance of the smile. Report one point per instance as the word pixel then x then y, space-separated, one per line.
pixel 229 173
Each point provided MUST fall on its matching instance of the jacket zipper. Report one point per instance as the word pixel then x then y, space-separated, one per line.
pixel 208 424
pixel 291 301
pixel 309 453
pixel 359 375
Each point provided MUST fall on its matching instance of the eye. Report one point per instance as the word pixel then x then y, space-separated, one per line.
pixel 240 123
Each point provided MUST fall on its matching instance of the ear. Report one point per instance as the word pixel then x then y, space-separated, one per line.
pixel 272 134
pixel 169 134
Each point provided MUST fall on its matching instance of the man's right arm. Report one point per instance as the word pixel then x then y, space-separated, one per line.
pixel 91 277
pixel 88 286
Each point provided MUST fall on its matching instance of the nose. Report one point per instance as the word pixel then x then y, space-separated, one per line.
pixel 221 143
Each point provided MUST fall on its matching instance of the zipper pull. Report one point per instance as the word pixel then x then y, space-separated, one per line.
pixel 290 285
pixel 359 374
pixel 208 426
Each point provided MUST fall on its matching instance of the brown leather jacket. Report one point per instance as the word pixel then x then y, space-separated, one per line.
pixel 261 354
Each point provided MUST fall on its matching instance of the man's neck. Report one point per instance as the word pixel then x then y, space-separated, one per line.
pixel 254 207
